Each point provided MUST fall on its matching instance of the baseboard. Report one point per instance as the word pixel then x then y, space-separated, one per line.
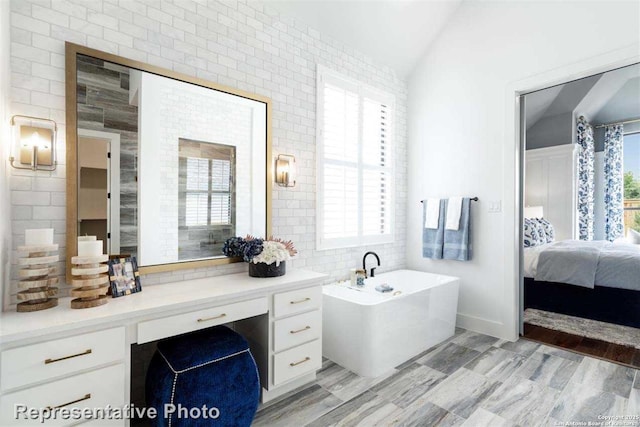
pixel 485 326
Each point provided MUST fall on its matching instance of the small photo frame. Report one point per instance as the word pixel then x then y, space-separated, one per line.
pixel 124 276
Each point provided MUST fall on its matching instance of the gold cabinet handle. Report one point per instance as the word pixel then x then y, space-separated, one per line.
pixel 306 359
pixel 206 319
pixel 300 330
pixel 301 300
pixel 86 397
pixel 84 353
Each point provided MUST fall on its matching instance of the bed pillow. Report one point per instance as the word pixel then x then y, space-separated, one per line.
pixel 532 234
pixel 548 230
pixel 634 237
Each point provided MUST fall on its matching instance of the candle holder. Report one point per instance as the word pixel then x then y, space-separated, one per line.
pixel 91 281
pixel 36 277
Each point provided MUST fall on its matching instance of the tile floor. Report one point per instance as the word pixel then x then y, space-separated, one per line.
pixel 469 380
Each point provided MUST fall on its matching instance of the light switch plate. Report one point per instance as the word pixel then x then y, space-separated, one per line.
pixel 495 206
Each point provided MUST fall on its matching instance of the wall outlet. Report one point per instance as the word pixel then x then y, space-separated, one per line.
pixel 495 206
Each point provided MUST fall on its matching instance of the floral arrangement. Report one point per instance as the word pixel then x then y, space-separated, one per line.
pixel 256 250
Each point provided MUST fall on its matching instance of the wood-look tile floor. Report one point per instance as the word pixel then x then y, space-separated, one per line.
pixel 616 353
pixel 470 380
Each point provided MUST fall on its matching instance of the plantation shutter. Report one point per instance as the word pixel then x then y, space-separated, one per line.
pixel 354 163
pixel 197 196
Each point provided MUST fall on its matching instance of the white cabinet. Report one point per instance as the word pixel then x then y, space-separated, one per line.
pixel 297 332
pixel 201 319
pixel 298 301
pixel 43 361
pixel 81 358
pixel 67 374
pixel 297 361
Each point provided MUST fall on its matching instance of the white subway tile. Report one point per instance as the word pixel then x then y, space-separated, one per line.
pixel 30 24
pixel 103 20
pixel 24 81
pixel 66 34
pixel 133 30
pixel 49 212
pixel 49 15
pixel 30 198
pixel 159 16
pixel 30 53
pixel 118 37
pixel 86 27
pixel 22 183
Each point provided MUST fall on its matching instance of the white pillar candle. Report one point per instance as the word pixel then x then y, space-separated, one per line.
pixel 38 237
pixel 86 238
pixel 90 248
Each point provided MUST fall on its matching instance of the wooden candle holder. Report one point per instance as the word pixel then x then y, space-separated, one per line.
pixel 37 269
pixel 91 281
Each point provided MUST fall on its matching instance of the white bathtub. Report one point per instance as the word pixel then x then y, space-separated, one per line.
pixel 370 333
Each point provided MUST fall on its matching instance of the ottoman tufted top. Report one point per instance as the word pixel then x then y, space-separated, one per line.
pixel 201 347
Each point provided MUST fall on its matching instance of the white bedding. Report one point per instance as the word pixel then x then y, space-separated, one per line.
pixel 531 256
pixel 618 264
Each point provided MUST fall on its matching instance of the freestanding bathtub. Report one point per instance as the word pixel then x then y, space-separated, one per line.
pixel 369 332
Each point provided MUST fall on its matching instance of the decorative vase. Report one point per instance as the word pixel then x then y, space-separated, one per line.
pixel 267 270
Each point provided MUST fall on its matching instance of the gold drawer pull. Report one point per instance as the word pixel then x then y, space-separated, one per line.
pixel 301 300
pixel 300 330
pixel 86 397
pixel 84 353
pixel 306 359
pixel 206 319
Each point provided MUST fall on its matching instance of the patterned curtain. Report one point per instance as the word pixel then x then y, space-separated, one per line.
pixel 613 175
pixel 586 179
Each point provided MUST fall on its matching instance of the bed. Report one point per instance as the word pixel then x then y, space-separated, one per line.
pixel 595 280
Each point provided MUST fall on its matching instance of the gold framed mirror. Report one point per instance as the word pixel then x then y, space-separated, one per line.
pixel 155 159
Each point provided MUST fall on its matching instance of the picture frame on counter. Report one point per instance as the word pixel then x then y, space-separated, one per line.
pixel 124 276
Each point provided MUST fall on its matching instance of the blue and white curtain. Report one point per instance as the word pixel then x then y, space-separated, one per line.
pixel 613 175
pixel 586 179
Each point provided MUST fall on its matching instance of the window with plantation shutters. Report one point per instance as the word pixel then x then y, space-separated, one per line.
pixel 206 186
pixel 354 163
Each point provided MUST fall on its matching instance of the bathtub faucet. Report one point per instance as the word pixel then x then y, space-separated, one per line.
pixel 364 260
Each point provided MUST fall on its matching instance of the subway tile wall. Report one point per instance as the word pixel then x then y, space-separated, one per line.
pixel 247 45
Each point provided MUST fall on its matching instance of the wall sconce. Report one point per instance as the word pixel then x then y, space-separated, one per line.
pixel 285 170
pixel 34 143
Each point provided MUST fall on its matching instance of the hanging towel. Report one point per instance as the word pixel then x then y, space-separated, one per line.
pixel 432 238
pixel 457 243
pixel 454 209
pixel 432 216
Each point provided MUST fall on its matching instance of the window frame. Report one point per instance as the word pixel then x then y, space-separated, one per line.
pixel 325 74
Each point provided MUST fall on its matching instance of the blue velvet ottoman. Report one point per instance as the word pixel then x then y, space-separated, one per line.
pixel 204 378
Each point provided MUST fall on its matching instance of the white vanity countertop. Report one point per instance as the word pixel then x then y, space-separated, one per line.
pixel 153 300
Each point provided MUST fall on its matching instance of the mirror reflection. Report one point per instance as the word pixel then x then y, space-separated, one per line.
pixel 160 162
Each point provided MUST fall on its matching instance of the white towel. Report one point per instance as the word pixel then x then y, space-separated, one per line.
pixel 432 216
pixel 454 208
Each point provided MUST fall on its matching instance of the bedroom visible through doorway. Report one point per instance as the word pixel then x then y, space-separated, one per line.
pixel 581 205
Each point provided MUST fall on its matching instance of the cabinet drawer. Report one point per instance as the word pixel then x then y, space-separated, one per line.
pixel 95 389
pixel 296 330
pixel 297 361
pixel 26 365
pixel 297 301
pixel 181 323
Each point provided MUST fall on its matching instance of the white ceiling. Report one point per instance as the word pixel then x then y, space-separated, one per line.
pixel 392 32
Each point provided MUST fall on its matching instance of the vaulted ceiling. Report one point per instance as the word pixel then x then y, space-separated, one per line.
pixel 395 33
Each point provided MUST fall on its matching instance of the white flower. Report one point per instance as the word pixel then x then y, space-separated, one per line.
pixel 272 252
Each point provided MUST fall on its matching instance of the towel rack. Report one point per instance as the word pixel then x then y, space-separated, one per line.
pixel 474 199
